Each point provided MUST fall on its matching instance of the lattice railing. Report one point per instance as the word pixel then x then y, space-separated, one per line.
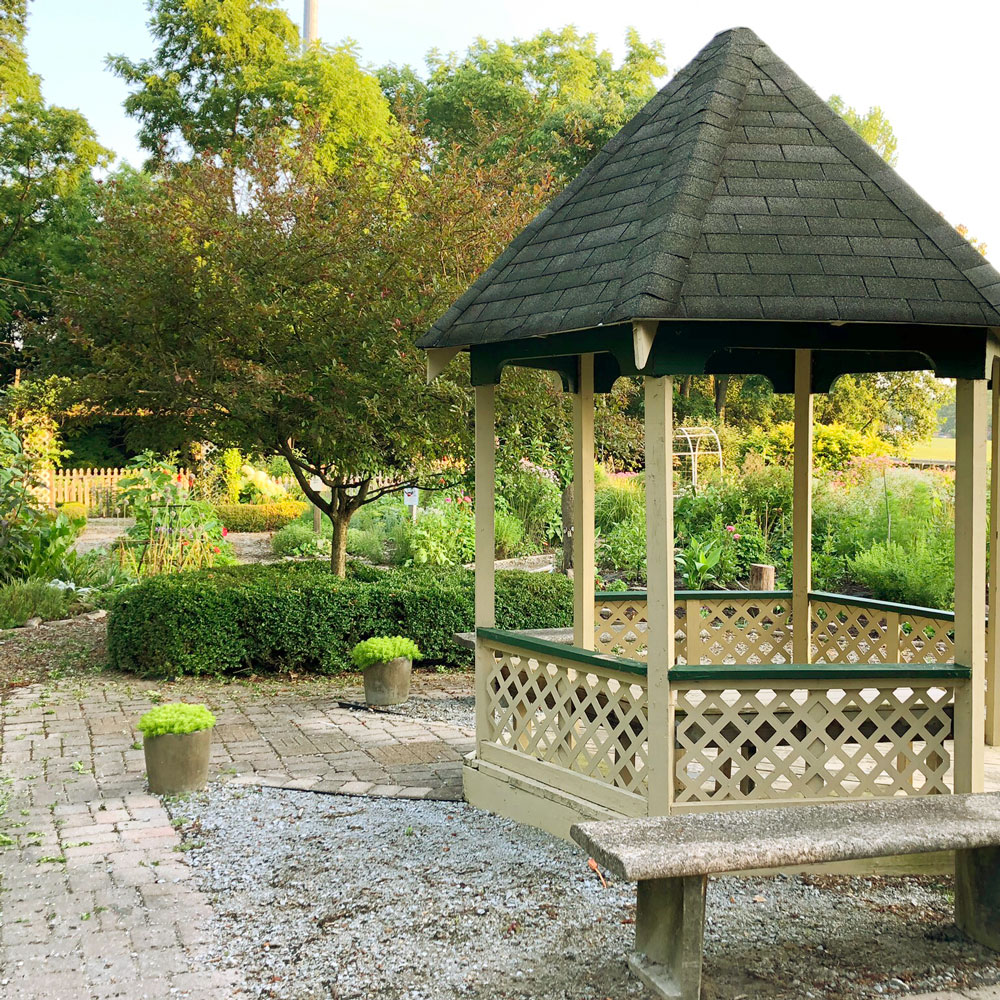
pixel 620 624
pixel 853 630
pixel 578 711
pixel 749 628
pixel 731 627
pixel 739 628
pixel 784 734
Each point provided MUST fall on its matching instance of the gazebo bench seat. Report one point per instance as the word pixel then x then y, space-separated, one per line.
pixel 670 858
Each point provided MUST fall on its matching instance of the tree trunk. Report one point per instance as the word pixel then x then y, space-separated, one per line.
pixel 721 385
pixel 338 544
pixel 686 386
pixel 567 528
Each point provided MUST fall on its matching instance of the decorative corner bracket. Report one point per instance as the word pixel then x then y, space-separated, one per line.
pixel 643 334
pixel 438 358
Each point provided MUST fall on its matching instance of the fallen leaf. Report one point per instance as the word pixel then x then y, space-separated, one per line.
pixel 592 864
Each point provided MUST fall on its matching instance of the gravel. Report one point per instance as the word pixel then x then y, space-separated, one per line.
pixel 334 897
pixel 433 706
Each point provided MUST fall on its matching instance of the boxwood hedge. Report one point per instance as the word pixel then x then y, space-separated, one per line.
pixel 259 516
pixel 298 616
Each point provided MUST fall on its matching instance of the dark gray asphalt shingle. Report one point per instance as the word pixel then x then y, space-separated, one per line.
pixel 736 193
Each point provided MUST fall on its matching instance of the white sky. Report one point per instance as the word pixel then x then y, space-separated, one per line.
pixel 931 67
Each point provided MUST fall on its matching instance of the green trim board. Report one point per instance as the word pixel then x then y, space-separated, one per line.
pixel 562 651
pixel 887 606
pixel 717 672
pixel 817 595
pixel 747 347
pixel 692 595
pixel 684 672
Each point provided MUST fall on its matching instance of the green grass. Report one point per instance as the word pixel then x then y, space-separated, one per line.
pixel 937 449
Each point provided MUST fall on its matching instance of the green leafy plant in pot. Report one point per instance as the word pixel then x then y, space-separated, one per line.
pixel 177 742
pixel 386 662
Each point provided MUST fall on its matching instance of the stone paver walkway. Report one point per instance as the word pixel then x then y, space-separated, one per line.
pixel 96 898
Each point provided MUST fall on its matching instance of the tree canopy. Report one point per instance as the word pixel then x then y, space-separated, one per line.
pixel 564 93
pixel 287 323
pixel 226 69
pixel 47 154
pixel 873 127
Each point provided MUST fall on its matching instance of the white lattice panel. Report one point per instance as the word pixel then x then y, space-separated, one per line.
pixel 842 633
pixel 926 640
pixel 769 741
pixel 589 721
pixel 739 630
pixel 848 633
pixel 620 627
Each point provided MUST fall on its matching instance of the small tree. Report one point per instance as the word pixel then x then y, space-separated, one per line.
pixel 286 324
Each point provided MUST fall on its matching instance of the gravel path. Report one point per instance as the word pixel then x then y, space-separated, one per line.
pixel 336 897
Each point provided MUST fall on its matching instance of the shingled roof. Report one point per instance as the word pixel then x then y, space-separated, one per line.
pixel 735 194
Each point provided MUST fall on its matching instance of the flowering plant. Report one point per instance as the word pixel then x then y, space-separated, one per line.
pixel 172 530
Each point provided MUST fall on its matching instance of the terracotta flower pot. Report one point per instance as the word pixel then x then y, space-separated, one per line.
pixel 388 683
pixel 177 762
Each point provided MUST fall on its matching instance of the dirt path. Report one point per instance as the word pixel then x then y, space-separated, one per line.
pixel 250 546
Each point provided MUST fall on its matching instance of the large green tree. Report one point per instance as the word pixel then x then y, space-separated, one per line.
pixel 562 93
pixel 47 154
pixel 872 126
pixel 223 70
pixel 288 325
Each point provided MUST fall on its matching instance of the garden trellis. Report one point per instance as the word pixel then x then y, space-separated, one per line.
pixel 697 443
pixel 735 226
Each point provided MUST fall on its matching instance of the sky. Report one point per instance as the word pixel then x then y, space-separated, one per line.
pixel 934 75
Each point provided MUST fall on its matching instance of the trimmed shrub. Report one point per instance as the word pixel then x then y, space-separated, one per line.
pixel 259 516
pixel 298 616
pixel 76 512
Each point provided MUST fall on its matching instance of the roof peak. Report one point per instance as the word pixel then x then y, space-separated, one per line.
pixel 735 193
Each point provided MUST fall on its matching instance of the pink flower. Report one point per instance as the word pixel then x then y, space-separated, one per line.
pixel 447 499
pixel 736 537
pixel 730 527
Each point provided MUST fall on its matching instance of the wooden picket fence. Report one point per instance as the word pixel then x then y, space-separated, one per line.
pixel 98 489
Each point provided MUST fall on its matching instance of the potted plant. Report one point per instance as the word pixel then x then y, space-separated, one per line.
pixel 386 662
pixel 177 740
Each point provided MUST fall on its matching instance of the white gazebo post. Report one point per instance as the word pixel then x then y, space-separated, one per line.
pixel 993 632
pixel 659 590
pixel 583 505
pixel 485 601
pixel 802 510
pixel 970 580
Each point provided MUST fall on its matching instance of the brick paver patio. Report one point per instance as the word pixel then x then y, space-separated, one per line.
pixel 96 897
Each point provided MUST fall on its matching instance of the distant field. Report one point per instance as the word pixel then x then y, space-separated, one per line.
pixel 937 449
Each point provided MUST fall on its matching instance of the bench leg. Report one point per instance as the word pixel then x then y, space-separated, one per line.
pixel 669 936
pixel 977 895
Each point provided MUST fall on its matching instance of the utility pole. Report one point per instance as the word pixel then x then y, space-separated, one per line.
pixel 309 18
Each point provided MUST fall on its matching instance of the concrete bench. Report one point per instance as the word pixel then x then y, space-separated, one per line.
pixel 671 857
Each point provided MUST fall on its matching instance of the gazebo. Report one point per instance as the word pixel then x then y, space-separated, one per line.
pixel 735 225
